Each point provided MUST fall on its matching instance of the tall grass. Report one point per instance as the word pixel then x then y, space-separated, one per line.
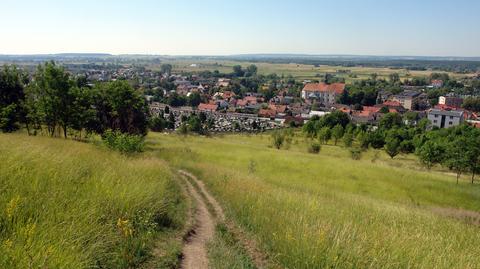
pixel 326 210
pixel 66 204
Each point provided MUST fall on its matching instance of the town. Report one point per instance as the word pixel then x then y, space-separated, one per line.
pixel 245 101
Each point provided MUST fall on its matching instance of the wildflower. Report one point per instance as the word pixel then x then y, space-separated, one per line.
pixel 12 206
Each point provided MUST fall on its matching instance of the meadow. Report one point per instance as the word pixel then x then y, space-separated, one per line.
pixel 298 71
pixel 67 204
pixel 327 210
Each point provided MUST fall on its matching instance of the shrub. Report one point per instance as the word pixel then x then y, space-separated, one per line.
pixel 157 124
pixel 123 142
pixel 356 153
pixel 314 148
pixel 278 137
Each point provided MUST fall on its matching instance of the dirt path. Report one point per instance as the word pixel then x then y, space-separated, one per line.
pixel 195 248
pixel 258 257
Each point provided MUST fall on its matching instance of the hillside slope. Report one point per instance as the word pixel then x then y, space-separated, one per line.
pixel 328 211
pixel 66 204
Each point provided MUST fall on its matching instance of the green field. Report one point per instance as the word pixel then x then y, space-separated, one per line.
pixel 298 71
pixel 66 204
pixel 326 210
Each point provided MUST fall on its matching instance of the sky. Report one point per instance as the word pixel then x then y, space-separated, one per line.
pixel 225 27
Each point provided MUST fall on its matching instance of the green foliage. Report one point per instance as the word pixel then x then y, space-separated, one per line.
pixel 348 139
pixel 324 135
pixel 337 133
pixel 356 153
pixel 430 153
pixel 314 147
pixel 472 103
pixel 157 123
pixel 11 98
pixel 391 120
pixel 392 146
pixel 278 138
pixel 123 142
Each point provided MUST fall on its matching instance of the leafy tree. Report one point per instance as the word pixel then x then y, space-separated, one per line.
pixel 337 133
pixel 391 120
pixel 157 124
pixel 251 70
pixel 472 103
pixel 376 139
pixel 194 99
pixel 392 146
pixel 238 71
pixel 430 153
pixel 126 109
pixel 324 135
pixel 348 139
pixel 166 69
pixel 455 157
pixel 11 98
pixel 195 125
pixel 52 86
pixel 362 138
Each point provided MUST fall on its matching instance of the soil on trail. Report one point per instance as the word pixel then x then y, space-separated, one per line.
pixel 195 249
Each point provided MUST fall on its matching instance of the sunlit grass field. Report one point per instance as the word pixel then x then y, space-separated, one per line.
pixel 298 71
pixel 67 204
pixel 327 210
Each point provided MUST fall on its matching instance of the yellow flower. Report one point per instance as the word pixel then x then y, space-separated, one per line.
pixel 12 206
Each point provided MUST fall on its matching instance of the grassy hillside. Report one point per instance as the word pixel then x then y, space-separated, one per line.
pixel 326 210
pixel 67 204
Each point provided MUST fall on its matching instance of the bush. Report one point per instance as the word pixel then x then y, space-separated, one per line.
pixel 278 137
pixel 123 142
pixel 356 153
pixel 157 124
pixel 314 148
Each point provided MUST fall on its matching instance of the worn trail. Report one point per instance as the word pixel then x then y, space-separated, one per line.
pixel 195 250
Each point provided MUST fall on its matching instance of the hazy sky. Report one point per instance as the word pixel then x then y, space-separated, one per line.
pixel 186 27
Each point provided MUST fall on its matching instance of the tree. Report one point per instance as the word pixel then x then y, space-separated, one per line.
pixel 348 139
pixel 238 71
pixel 251 70
pixel 11 98
pixel 195 125
pixel 362 138
pixel 455 157
pixel 171 121
pixel 126 109
pixel 194 99
pixel 430 153
pixel 472 103
pixel 324 135
pixel 391 120
pixel 54 98
pixel 394 78
pixel 337 133
pixel 166 69
pixel 392 146
pixel 157 124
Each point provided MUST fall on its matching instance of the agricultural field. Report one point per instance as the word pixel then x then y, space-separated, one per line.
pixel 327 210
pixel 298 71
pixel 66 204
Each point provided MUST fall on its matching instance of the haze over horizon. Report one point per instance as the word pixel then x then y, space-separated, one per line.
pixel 214 27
